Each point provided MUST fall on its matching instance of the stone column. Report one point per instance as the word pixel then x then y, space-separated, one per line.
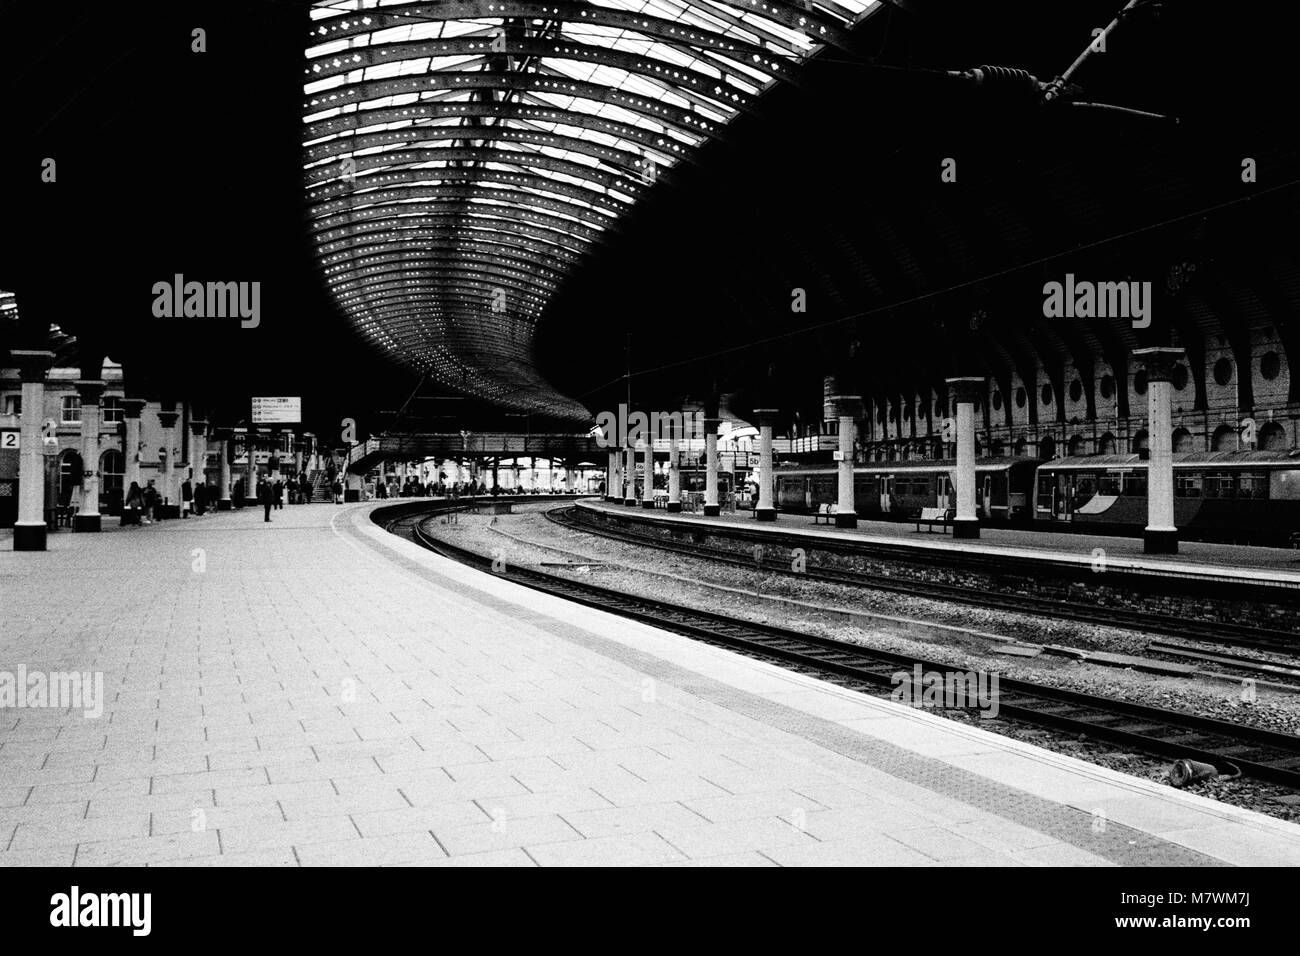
pixel 1161 534
pixel 846 408
pixel 225 447
pixel 711 506
pixel 250 466
pixel 648 487
pixel 766 507
pixel 30 528
pixel 90 392
pixel 629 476
pixel 614 486
pixel 166 480
pixel 966 522
pixel 569 479
pixel 674 469
pixel 131 409
pixel 199 451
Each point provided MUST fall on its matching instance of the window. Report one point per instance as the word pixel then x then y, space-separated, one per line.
pixel 1076 390
pixel 997 401
pixel 1107 386
pixel 1135 483
pixel 1179 377
pixel 1218 484
pixel 1110 483
pixel 1223 371
pixel 1252 484
pixel 1270 365
pixel 112 409
pixel 71 410
pixel 13 404
pixel 1021 398
pixel 1046 394
pixel 1187 485
pixel 1140 383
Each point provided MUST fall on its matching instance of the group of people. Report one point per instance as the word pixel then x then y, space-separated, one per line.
pixel 414 488
pixel 143 505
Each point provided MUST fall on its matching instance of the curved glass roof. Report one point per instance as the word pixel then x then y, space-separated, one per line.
pixel 462 155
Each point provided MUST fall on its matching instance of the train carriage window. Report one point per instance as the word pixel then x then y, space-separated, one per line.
pixel 1135 483
pixel 1187 485
pixel 1285 485
pixel 1252 484
pixel 1218 484
pixel 1111 483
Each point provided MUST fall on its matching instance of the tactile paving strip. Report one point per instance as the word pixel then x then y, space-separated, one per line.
pixel 1114 842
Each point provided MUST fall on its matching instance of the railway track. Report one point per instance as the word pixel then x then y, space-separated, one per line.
pixel 1228 635
pixel 1261 754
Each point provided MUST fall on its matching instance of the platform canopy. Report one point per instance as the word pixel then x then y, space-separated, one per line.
pixel 462 156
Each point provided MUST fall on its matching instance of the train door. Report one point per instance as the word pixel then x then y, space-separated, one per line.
pixel 986 496
pixel 886 491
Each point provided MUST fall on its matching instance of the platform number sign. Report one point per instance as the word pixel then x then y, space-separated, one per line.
pixel 9 440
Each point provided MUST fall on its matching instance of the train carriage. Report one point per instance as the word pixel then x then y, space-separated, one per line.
pixel 884 490
pixel 1247 497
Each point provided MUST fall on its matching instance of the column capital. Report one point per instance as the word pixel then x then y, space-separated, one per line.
pixel 967 389
pixel 90 390
pixel 132 407
pixel 168 419
pixel 32 363
pixel 1159 361
pixel 843 406
pixel 711 425
pixel 198 426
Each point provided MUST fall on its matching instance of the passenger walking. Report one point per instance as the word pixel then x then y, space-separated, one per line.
pixel 277 492
pixel 133 505
pixel 337 488
pixel 150 502
pixel 187 498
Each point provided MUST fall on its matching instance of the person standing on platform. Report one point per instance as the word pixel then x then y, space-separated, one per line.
pixel 265 495
pixel 277 494
pixel 200 498
pixel 337 488
pixel 187 497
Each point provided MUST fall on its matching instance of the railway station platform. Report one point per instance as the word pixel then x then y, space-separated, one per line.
pixel 318 692
pixel 1227 563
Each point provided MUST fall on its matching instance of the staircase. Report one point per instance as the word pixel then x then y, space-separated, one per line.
pixel 320 486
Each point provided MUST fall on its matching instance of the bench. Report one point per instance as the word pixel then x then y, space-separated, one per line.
pixel 935 516
pixel 825 513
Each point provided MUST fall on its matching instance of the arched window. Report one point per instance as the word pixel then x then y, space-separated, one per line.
pixel 1106 444
pixel 1272 437
pixel 69 474
pixel 1225 438
pixel 1140 442
pixel 1182 440
pixel 1077 446
pixel 1021 448
pixel 1047 447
